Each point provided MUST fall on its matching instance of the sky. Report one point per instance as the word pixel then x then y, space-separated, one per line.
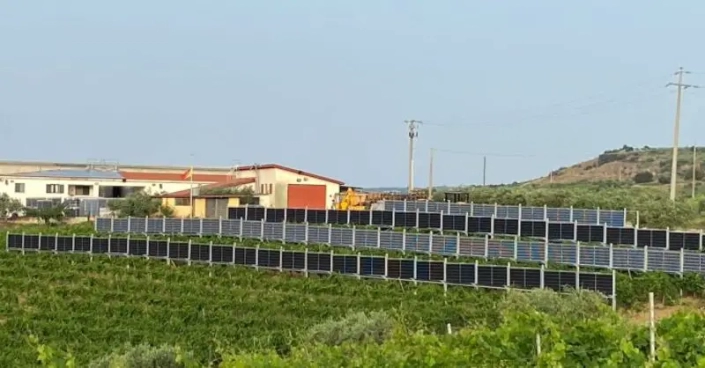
pixel 325 86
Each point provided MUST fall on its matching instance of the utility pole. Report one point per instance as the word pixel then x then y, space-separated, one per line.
pixel 430 176
pixel 676 126
pixel 695 153
pixel 413 134
pixel 484 170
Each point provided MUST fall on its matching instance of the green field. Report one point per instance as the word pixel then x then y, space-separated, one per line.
pixel 93 307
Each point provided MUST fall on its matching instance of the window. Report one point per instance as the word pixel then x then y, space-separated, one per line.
pixel 19 187
pixel 182 201
pixel 55 189
pixel 80 190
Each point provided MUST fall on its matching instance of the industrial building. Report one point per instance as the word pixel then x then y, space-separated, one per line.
pixel 34 183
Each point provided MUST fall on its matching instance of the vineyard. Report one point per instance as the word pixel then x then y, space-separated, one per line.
pixel 89 307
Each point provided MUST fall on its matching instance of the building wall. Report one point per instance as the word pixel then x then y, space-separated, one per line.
pixel 37 187
pixel 286 177
pixel 270 183
pixel 199 207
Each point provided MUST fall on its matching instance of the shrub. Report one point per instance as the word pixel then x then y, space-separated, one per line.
pixel 644 177
pixel 355 327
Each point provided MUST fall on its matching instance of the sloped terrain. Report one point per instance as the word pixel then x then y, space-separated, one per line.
pixel 645 165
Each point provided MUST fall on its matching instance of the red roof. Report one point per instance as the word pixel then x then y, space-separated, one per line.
pixel 187 192
pixel 216 178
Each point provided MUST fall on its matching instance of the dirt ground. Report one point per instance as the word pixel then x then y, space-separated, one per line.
pixel 663 311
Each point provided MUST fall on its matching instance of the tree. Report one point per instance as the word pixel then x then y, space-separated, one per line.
pixel 140 204
pixel 9 205
pixel 47 214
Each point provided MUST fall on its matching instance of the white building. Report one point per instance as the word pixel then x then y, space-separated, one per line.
pixel 274 185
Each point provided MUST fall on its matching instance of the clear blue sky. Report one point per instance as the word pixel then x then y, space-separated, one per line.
pixel 326 85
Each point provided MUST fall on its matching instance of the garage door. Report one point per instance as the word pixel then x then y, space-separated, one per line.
pixel 306 196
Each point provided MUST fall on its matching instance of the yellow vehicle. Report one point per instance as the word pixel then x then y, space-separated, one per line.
pixel 360 201
pixel 350 200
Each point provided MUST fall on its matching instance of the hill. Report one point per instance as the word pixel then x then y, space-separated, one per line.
pixel 647 165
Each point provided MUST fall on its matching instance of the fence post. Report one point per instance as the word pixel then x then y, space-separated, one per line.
pixel 7 241
pixel 327 220
pixel 404 204
pixel 281 258
pixel 112 224
pixel 487 246
pixel 476 284
pixel 127 248
pixel 188 258
pixel 403 240
pixel 306 214
pixel 492 218
pixel 575 231
pixel 379 237
pixel 445 276
pixel 306 232
pixel 110 245
pixel 416 225
pixel 283 232
pixel 220 226
pixel 129 224
pixel 73 243
pixel 332 258
pixel 577 254
pixel 516 248
pixel 168 250
pixel 467 227
pixel 358 266
pixel 614 290
pixel 56 243
pixel 682 256
pixel 646 258
pixel 457 245
pixel 440 226
pixel 495 210
pixel 147 252
pixel 90 250
pixel 700 241
pixel 348 220
pixel 541 283
pixel 604 233
pixel 430 243
pixel 181 231
pixel 577 277
pixel 370 223
pixel 546 247
pixel 668 238
pixel 210 253
pixel 261 230
pixel 40 242
pixel 611 256
pixel 146 224
pixel 394 217
pixel 330 234
pixel 545 212
pixel 164 225
pixel 306 262
pixel 472 210
pixel 416 267
pixel 241 230
pixel 257 257
pixel 354 236
pixel 509 276
pixel 386 264
pixel 598 215
pixel 519 214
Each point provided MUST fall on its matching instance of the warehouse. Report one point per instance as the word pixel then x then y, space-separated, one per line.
pixel 273 185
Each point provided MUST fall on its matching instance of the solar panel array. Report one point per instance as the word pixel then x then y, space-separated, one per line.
pixel 552 231
pixel 609 257
pixel 615 218
pixel 414 270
